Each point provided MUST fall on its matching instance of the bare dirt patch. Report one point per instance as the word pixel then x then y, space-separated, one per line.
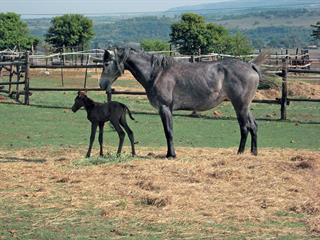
pixel 201 185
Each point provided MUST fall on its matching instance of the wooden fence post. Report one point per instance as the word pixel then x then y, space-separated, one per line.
pixel 26 79
pixel 109 95
pixel 284 95
pixel 18 80
pixel 86 73
pixel 10 78
pixel 62 64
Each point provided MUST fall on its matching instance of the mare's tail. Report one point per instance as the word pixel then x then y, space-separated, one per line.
pixel 262 57
pixel 258 60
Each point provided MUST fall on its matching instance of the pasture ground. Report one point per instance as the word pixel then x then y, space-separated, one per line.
pixel 206 193
pixel 49 191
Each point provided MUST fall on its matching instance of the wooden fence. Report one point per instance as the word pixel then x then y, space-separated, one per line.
pixel 285 100
pixel 298 63
pixel 18 68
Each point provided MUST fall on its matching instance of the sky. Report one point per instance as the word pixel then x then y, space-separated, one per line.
pixel 93 6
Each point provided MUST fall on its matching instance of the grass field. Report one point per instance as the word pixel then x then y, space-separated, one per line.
pixel 49 191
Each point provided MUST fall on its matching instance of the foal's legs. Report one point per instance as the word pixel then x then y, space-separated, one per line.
pixel 166 117
pixel 92 136
pixel 123 123
pixel 120 132
pixel 101 125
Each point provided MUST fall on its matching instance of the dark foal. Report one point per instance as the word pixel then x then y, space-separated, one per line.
pixel 99 113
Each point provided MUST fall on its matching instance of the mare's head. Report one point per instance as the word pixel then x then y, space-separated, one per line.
pixel 79 101
pixel 113 67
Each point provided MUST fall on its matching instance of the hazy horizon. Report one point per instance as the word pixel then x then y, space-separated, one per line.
pixel 94 7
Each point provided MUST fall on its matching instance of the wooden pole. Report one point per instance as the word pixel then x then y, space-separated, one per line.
pixel 109 95
pixel 26 79
pixel 284 95
pixel 18 80
pixel 86 73
pixel 62 64
pixel 10 78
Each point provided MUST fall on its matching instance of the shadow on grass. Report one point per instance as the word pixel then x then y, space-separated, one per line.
pixel 17 159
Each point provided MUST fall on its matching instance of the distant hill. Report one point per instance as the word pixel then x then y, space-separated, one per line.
pixel 273 23
pixel 243 5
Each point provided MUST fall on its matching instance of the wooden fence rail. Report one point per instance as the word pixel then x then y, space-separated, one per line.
pixel 24 66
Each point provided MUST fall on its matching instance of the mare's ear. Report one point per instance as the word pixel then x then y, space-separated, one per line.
pixel 106 56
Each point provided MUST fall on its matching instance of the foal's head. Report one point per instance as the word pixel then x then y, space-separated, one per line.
pixel 79 101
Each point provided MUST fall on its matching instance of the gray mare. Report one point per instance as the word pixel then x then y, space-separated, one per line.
pixel 172 85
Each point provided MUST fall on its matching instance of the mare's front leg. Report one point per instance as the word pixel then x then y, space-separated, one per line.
pixel 101 125
pixel 92 136
pixel 166 117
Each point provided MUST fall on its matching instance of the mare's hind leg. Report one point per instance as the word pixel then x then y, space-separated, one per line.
pixel 253 128
pixel 120 132
pixel 247 124
pixel 123 123
pixel 242 116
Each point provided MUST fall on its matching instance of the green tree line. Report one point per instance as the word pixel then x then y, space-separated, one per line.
pixel 190 33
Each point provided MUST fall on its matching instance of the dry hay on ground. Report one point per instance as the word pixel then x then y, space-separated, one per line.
pixel 200 186
pixel 304 89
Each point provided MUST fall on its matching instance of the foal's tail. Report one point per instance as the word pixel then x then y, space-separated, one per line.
pixel 129 112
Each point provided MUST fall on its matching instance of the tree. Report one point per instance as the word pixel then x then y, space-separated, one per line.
pixel 239 45
pixel 15 33
pixel 316 31
pixel 155 45
pixel 70 31
pixel 218 39
pixel 192 35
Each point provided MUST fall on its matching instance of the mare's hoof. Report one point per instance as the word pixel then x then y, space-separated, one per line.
pixel 171 156
pixel 254 153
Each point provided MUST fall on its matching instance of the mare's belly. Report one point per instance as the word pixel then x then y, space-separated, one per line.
pixel 198 103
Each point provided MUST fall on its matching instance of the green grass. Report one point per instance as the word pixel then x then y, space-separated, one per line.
pixel 32 126
pixel 90 223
